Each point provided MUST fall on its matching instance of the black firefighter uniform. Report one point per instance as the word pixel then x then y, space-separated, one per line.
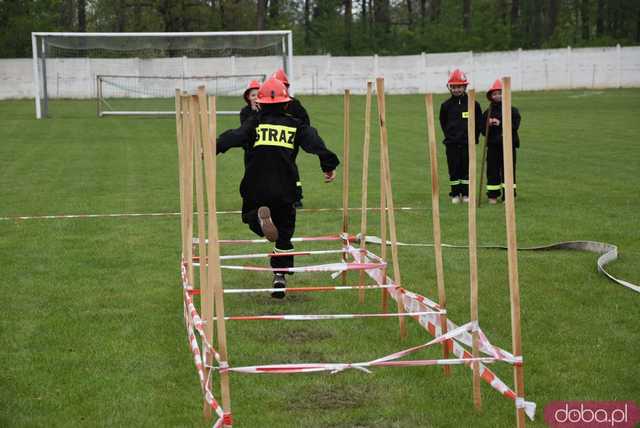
pixel 453 120
pixel 270 140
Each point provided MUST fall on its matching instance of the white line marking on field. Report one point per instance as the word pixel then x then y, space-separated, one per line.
pixel 175 214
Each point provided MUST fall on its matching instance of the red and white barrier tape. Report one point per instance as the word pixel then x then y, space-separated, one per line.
pixel 320 317
pixel 196 259
pixel 197 358
pixel 431 323
pixel 192 313
pixel 411 302
pixel 339 367
pixel 305 289
pixel 196 241
pixel 329 267
pixel 194 322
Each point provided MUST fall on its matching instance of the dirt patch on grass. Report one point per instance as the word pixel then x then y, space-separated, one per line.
pixel 302 335
pixel 331 396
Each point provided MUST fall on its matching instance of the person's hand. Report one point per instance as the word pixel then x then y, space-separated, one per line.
pixel 493 121
pixel 329 176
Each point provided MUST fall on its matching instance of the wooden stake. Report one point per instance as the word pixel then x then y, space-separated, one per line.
pixel 365 184
pixel 383 228
pixel 473 241
pixel 202 249
pixel 180 141
pixel 384 151
pixel 212 133
pixel 206 301
pixel 345 175
pixel 187 159
pixel 484 155
pixel 435 218
pixel 180 144
pixel 512 245
pixel 209 132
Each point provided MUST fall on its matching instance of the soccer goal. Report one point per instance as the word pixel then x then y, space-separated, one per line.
pixel 138 73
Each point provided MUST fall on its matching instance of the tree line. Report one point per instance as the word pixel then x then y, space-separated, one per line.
pixel 342 27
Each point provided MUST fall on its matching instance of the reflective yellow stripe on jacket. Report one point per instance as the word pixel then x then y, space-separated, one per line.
pixel 275 135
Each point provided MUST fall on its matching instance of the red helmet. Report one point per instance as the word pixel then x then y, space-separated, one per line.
pixel 281 76
pixel 254 84
pixel 457 77
pixel 496 86
pixel 273 91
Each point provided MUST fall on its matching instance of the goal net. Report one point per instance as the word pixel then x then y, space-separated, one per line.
pixel 138 73
pixel 155 95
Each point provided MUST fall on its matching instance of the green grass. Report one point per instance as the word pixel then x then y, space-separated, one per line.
pixel 91 330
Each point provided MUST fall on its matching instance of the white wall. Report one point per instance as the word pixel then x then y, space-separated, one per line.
pixel 566 68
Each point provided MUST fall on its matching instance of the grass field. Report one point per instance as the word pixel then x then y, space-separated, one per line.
pixel 91 330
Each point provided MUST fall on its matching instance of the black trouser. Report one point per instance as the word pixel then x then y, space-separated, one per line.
pixel 284 218
pixel 495 171
pixel 458 163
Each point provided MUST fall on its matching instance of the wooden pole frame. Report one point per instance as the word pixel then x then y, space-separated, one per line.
pixel 435 216
pixel 365 184
pixel 473 242
pixel 345 174
pixel 209 132
pixel 512 247
pixel 196 130
pixel 388 195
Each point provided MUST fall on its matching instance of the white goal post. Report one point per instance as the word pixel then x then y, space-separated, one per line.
pixel 67 65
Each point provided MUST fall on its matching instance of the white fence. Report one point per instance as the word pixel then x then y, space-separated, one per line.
pixel 611 67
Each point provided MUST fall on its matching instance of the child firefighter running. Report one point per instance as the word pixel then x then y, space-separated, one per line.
pixel 268 189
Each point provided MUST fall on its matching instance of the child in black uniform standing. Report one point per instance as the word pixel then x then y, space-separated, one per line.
pixel 268 189
pixel 495 162
pixel 250 97
pixel 453 120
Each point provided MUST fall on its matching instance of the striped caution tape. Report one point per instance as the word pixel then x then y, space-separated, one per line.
pixel 329 267
pixel 431 323
pixel 194 323
pixel 322 317
pixel 339 367
pixel 412 302
pixel 306 289
pixel 196 241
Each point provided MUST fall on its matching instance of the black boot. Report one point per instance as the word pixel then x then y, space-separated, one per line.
pixel 279 281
